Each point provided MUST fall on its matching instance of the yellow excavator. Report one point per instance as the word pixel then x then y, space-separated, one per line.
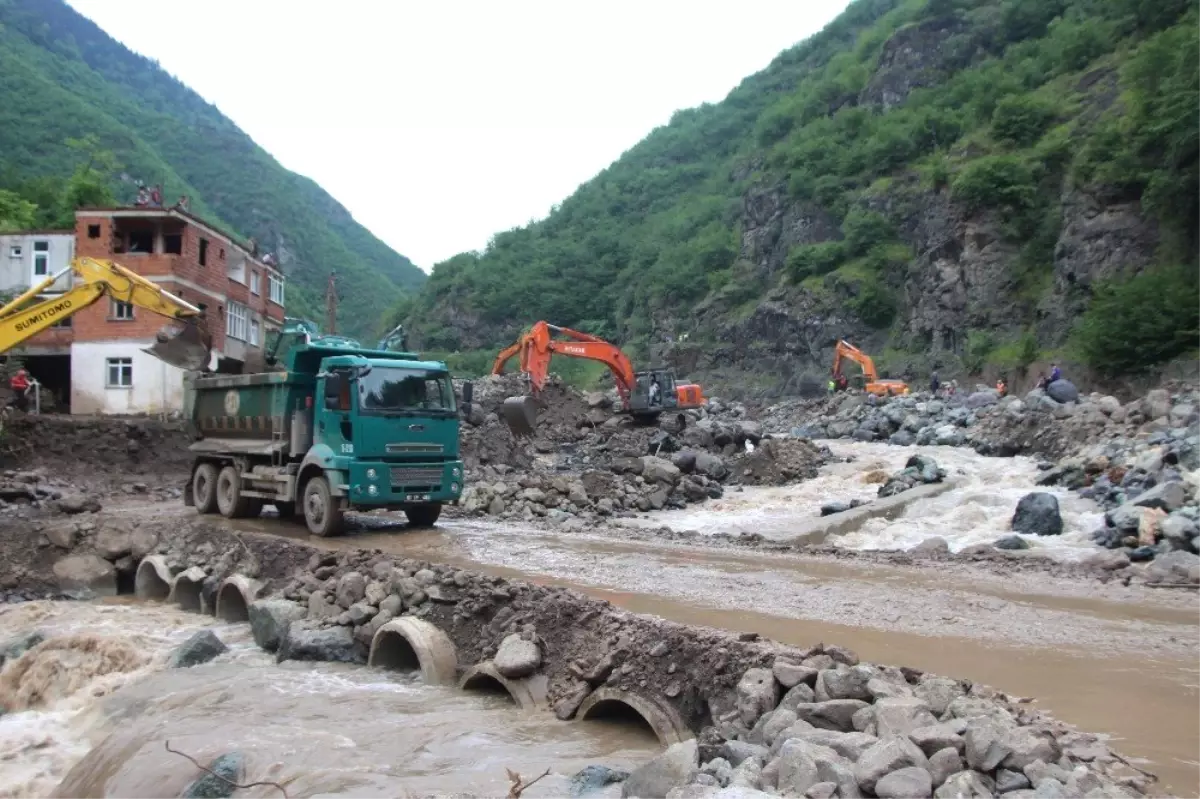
pixel 187 348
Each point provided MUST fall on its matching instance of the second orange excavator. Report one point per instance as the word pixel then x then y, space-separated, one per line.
pixel 872 383
pixel 644 394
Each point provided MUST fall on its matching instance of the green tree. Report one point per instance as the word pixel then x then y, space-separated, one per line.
pixel 1021 119
pixel 15 213
pixel 996 181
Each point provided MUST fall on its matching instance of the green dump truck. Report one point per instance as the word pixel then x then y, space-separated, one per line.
pixel 333 427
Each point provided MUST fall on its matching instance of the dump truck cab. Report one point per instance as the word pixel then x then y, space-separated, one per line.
pixel 338 427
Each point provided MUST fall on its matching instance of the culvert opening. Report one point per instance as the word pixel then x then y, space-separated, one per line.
pixel 187 595
pixel 393 652
pixel 487 684
pixel 127 584
pixel 147 584
pixel 231 605
pixel 620 714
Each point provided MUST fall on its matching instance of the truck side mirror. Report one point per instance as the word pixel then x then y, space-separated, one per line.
pixel 468 392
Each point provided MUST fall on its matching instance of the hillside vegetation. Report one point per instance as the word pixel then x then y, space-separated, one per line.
pixel 947 183
pixel 70 93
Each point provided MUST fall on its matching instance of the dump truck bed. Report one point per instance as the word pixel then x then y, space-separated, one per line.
pixel 260 413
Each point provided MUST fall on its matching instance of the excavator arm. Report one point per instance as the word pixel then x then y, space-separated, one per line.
pixel 189 348
pixel 536 347
pixel 848 351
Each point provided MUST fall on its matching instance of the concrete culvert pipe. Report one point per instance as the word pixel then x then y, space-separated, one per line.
pixel 186 590
pixel 234 598
pixel 153 579
pixel 528 693
pixel 408 644
pixel 607 703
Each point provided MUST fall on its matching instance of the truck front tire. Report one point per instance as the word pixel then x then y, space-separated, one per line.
pixel 230 501
pixel 204 488
pixel 321 511
pixel 424 515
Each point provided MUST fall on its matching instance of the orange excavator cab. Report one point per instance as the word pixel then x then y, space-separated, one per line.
pixel 644 394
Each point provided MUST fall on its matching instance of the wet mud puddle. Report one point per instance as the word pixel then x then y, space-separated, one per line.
pixel 95 711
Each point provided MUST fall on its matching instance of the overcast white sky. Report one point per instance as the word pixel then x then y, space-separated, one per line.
pixel 439 124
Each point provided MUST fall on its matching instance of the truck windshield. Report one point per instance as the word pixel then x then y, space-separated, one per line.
pixel 392 390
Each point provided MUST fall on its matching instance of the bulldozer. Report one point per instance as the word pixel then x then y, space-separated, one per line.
pixel 185 342
pixel 645 395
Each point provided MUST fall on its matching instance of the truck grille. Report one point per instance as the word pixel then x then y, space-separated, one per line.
pixel 413 477
pixel 415 449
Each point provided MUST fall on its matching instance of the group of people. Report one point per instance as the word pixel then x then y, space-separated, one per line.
pixel 1046 379
pixel 152 197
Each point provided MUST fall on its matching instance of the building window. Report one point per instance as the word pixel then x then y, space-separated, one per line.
pixel 204 252
pixel 65 322
pixel 41 258
pixel 173 244
pixel 93 231
pixel 237 321
pixel 120 311
pixel 254 332
pixel 255 284
pixel 14 251
pixel 276 286
pixel 120 373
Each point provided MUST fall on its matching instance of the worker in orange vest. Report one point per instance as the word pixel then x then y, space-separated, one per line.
pixel 19 383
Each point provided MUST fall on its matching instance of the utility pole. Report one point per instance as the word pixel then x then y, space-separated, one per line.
pixel 331 304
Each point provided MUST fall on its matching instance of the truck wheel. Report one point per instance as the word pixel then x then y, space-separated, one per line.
pixel 230 501
pixel 423 515
pixel 204 488
pixel 321 511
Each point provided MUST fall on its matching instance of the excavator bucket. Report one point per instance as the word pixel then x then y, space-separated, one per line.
pixel 188 348
pixel 520 414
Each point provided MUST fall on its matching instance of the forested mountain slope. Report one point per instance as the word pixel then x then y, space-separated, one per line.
pixel 946 183
pixel 62 78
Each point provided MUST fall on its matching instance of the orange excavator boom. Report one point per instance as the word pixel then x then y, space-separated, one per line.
pixel 873 384
pixel 536 347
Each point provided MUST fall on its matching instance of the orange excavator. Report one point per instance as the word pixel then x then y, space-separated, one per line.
pixel 644 394
pixel 872 384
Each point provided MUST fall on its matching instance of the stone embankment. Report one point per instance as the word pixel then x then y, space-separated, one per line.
pixel 740 714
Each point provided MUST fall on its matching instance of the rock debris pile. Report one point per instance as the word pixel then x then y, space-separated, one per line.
pixel 587 462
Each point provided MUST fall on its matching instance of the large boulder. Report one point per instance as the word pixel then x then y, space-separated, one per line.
pixel 517 657
pixel 1063 391
pixel 1037 514
pixel 200 648
pixel 757 693
pixel 659 470
pixel 673 767
pixel 269 620
pixel 86 576
pixel 305 640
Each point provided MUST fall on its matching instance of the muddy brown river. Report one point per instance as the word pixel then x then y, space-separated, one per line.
pixel 1109 659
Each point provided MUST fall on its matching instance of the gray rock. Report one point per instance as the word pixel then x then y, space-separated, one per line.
pixel 900 716
pixel 774 723
pixel 77 503
pixel 1011 542
pixel 1026 747
pixel 757 693
pixel 891 754
pixel 1038 514
pixel 905 783
pixel 1049 789
pixel 737 752
pixel 1168 496
pixel 1063 391
pixel 985 744
pixel 937 737
pixel 220 782
pixel 803 764
pixel 939 692
pixel 660 470
pixel 822 790
pixel 970 707
pixel 982 399
pixel 1038 770
pixel 748 774
pixel 885 689
pixel 304 640
pixel 836 714
pixel 676 766
pixel 943 763
pixel 740 792
pixel 849 745
pixel 200 648
pixel 1179 528
pixel 799 694
pixel 517 657
pixel 932 546
pixel 86 576
pixel 1007 780
pixel 720 769
pixel 845 683
pixel 269 620
pixel 790 674
pixel 1174 566
pixel 965 785
pixel 351 588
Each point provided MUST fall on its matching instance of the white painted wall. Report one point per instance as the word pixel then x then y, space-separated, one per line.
pixel 156 385
pixel 16 260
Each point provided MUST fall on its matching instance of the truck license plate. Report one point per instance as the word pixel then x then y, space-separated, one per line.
pixel 416 497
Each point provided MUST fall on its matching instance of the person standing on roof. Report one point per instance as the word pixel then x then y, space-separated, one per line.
pixel 156 196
